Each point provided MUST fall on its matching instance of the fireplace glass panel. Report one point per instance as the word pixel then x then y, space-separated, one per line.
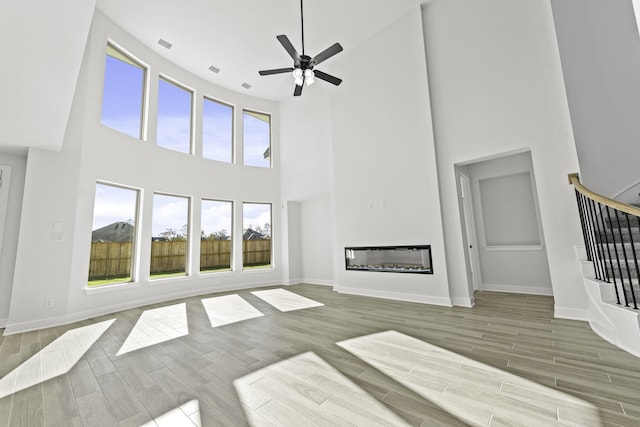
pixel 396 259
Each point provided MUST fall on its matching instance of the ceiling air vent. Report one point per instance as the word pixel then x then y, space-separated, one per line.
pixel 164 43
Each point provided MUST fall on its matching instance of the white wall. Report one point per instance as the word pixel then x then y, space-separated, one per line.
pixel 47 42
pixel 60 188
pixel 316 240
pixel 385 180
pixel 307 177
pixel 496 88
pixel 522 268
pixel 600 53
pixel 11 193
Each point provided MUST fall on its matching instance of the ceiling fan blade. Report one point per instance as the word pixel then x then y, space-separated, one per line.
pixel 286 43
pixel 275 71
pixel 326 54
pixel 298 90
pixel 327 77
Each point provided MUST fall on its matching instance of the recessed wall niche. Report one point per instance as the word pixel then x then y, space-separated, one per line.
pixel 509 211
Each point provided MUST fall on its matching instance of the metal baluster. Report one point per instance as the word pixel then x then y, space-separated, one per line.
pixel 585 234
pixel 602 253
pixel 624 253
pixel 635 258
pixel 597 261
pixel 615 251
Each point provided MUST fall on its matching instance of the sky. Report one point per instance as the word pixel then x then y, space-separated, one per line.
pixel 122 110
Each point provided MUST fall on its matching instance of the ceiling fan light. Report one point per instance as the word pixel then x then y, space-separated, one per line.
pixel 297 76
pixel 309 77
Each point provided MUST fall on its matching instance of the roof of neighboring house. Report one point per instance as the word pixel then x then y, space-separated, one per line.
pixel 116 232
pixel 251 234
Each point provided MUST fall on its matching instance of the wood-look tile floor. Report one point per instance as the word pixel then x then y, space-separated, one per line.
pixel 323 360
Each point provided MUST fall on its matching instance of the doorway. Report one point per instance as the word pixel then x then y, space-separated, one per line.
pixel 502 228
pixel 473 262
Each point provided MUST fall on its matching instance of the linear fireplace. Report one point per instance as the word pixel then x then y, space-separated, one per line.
pixel 394 259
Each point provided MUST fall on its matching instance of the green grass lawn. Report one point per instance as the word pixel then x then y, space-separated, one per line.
pixel 256 266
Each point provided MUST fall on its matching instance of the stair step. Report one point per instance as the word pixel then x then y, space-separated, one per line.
pixel 622 250
pixel 619 269
pixel 623 221
pixel 624 290
pixel 618 235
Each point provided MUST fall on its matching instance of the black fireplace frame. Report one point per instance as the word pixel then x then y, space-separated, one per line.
pixel 399 269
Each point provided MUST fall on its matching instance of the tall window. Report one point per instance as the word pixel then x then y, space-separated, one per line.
pixel 215 239
pixel 217 131
pixel 257 139
pixel 123 94
pixel 112 252
pixel 174 116
pixel 256 235
pixel 170 236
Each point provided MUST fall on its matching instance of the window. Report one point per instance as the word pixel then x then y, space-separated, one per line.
pixel 217 131
pixel 256 235
pixel 123 93
pixel 113 237
pixel 215 236
pixel 174 116
pixel 257 139
pixel 170 236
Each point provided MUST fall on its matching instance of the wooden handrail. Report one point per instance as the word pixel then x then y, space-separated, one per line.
pixel 622 207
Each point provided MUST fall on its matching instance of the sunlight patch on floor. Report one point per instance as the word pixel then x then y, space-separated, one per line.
pixel 186 415
pixel 156 326
pixel 306 390
pixel 284 300
pixel 473 391
pixel 229 309
pixel 55 359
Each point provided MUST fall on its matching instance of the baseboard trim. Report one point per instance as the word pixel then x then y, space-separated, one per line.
pixel 463 302
pixel 32 325
pixel 515 289
pixel 3 323
pixel 321 282
pixel 423 299
pixel 571 314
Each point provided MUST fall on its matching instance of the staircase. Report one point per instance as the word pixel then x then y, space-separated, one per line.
pixel 618 252
pixel 610 260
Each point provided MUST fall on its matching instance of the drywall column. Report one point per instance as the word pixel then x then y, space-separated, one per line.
pixel 496 88
pixel 11 190
pixel 386 185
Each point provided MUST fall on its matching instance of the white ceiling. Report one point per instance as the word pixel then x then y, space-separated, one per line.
pixel 46 42
pixel 239 36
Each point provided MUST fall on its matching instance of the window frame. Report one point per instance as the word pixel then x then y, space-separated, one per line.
pixel 271 254
pixel 192 115
pixel 133 60
pixel 189 237
pixel 233 159
pixel 232 236
pixel 250 111
pixel 135 243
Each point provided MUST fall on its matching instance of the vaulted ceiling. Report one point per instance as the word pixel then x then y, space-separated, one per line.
pixel 47 41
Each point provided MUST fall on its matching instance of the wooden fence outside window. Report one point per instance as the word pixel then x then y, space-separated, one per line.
pixel 113 259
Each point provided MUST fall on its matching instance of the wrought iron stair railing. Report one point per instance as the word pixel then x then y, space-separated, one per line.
pixel 611 232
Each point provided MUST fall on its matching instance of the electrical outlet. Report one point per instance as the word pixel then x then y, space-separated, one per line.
pixel 48 303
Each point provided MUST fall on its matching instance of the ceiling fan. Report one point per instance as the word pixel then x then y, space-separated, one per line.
pixel 303 65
